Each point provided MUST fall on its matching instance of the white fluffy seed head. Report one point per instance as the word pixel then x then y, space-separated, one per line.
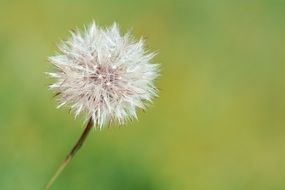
pixel 104 74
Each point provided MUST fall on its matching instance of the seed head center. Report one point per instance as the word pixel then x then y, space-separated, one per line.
pixel 105 76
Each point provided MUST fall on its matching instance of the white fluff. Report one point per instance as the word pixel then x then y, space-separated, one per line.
pixel 104 74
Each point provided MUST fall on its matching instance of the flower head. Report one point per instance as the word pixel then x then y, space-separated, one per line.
pixel 104 74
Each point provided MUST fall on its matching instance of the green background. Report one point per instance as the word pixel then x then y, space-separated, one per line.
pixel 219 123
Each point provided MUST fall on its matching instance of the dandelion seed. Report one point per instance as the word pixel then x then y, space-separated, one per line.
pixel 104 74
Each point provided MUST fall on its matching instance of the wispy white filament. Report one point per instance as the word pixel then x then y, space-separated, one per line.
pixel 104 74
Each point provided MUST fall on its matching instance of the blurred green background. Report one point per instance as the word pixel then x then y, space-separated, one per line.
pixel 219 121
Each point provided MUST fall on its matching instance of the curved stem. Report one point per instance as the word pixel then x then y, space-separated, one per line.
pixel 71 154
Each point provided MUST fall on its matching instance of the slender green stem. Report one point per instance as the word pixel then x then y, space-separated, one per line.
pixel 71 154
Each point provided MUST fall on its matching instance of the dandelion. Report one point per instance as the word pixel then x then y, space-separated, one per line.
pixel 104 75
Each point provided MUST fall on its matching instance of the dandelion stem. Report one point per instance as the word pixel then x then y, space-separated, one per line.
pixel 71 154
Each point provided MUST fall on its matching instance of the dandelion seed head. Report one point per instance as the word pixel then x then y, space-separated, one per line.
pixel 104 74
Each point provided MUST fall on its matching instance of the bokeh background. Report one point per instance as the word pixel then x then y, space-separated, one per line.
pixel 219 123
